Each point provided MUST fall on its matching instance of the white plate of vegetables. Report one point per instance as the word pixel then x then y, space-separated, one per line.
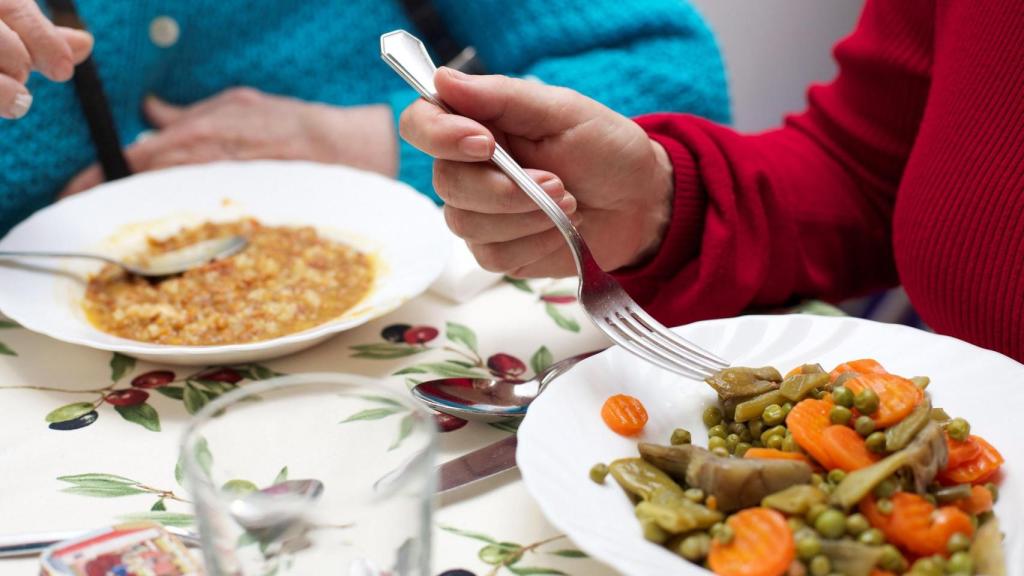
pixel 835 446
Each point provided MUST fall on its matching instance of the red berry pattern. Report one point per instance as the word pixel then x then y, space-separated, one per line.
pixel 229 375
pixel 505 365
pixel 129 397
pixel 395 332
pixel 154 379
pixel 420 334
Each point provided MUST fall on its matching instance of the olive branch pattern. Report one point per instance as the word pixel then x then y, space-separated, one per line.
pixel 4 349
pixel 508 555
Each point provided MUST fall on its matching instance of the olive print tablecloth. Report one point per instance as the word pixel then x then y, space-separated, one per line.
pixel 88 438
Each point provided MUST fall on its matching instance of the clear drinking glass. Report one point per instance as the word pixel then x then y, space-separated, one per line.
pixel 312 474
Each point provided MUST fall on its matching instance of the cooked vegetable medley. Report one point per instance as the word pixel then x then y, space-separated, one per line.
pixel 818 473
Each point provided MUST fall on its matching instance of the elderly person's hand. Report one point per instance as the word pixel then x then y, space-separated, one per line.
pixel 246 124
pixel 29 40
pixel 601 167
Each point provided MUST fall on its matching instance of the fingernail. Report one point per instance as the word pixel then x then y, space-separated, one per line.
pixel 568 204
pixel 553 186
pixel 576 218
pixel 478 147
pixel 456 75
pixel 22 102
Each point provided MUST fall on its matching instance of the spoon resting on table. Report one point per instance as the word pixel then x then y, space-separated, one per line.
pixel 484 399
pixel 166 264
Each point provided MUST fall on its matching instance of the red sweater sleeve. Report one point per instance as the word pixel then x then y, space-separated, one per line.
pixel 804 210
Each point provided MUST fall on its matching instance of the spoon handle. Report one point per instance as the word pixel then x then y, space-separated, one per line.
pixel 28 254
pixel 561 367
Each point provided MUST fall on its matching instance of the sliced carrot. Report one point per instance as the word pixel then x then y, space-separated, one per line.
pixel 977 470
pixel 916 525
pixel 863 366
pixel 806 421
pixel 773 454
pixel 624 414
pixel 961 452
pixel 762 545
pixel 897 396
pixel 847 449
pixel 979 501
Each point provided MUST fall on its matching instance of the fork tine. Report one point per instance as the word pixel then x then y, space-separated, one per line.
pixel 627 339
pixel 657 344
pixel 654 326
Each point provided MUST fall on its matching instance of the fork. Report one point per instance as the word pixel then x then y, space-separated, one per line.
pixel 609 306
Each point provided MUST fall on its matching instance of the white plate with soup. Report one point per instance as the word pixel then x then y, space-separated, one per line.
pixel 330 248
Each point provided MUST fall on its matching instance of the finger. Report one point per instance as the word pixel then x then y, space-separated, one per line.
pixel 519 253
pixel 558 264
pixel 50 52
pixel 161 114
pixel 16 61
pixel 489 228
pixel 79 41
pixel 14 98
pixel 518 107
pixel 444 135
pixel 91 176
pixel 483 188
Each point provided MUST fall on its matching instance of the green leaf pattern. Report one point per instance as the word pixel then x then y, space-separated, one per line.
pixel 120 365
pixel 507 555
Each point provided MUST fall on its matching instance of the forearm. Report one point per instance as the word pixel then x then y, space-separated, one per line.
pixel 363 137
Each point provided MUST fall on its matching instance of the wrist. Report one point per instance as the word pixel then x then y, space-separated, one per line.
pixel 657 203
pixel 358 136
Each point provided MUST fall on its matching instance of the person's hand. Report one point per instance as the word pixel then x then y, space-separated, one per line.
pixel 245 124
pixel 29 40
pixel 601 168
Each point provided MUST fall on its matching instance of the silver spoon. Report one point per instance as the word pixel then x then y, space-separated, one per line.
pixel 269 510
pixel 166 264
pixel 484 399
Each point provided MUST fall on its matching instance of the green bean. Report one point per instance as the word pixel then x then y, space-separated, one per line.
pixel 831 523
pixel 678 516
pixel 892 560
pixel 717 430
pixel 680 436
pixel 886 488
pixel 695 547
pixel 871 536
pixel 958 429
pixel 876 442
pixel 712 416
pixel 598 472
pixel 856 524
pixel 899 435
pixel 772 415
pixel 795 500
pixel 958 542
pixel 921 381
pixel 946 495
pixel 993 489
pixel 652 532
pixel 694 495
pixel 795 523
pixel 840 415
pixel 864 425
pixel 808 547
pixel 753 408
pixel 643 479
pixel 960 563
pixel 842 396
pixel 779 431
pixel 866 401
pixel 723 533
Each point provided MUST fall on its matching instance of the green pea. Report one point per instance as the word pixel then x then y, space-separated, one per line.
pixel 891 560
pixel 958 429
pixel 840 415
pixel 789 444
pixel 773 415
pixel 818 394
pixel 814 511
pixel 741 449
pixel 756 427
pixel 931 499
pixel 958 542
pixel 736 428
pixel 827 488
pixel 820 566
pixel 774 442
pixel 921 382
pixel 884 506
pixel 857 524
pixel 926 567
pixel 816 479
pixel 779 431
pixel 787 408
pixel 994 490
pixel 842 396
pixel 795 524
pixel 836 476
pixel 695 547
pixel 866 401
pixel 712 416
pixel 720 451
pixel 598 472
pixel 723 533
pixel 831 523
pixel 960 563
pixel 886 488
pixel 717 430
pixel 680 436
pixel 871 537
pixel 808 547
pixel 876 442
pixel 717 442
pixel 864 425
pixel 731 441
pixel 694 495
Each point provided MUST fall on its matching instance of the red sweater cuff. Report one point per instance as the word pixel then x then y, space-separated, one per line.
pixel 686 224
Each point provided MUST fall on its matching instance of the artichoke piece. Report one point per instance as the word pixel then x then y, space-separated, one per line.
pixel 798 386
pixel 795 500
pixel 642 479
pixel 679 516
pixel 899 435
pixel 734 482
pixel 851 558
pixel 743 382
pixel 987 550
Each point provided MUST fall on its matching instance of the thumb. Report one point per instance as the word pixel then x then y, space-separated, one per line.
pixel 161 114
pixel 79 41
pixel 519 107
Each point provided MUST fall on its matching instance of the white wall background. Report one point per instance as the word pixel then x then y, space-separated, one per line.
pixel 774 49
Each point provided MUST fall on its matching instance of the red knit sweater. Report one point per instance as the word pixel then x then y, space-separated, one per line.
pixel 908 168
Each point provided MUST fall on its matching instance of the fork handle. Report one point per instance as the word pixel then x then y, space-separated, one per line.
pixel 408 57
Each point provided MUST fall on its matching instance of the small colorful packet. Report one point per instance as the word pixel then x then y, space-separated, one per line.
pixel 134 549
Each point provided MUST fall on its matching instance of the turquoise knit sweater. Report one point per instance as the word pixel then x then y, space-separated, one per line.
pixel 636 56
